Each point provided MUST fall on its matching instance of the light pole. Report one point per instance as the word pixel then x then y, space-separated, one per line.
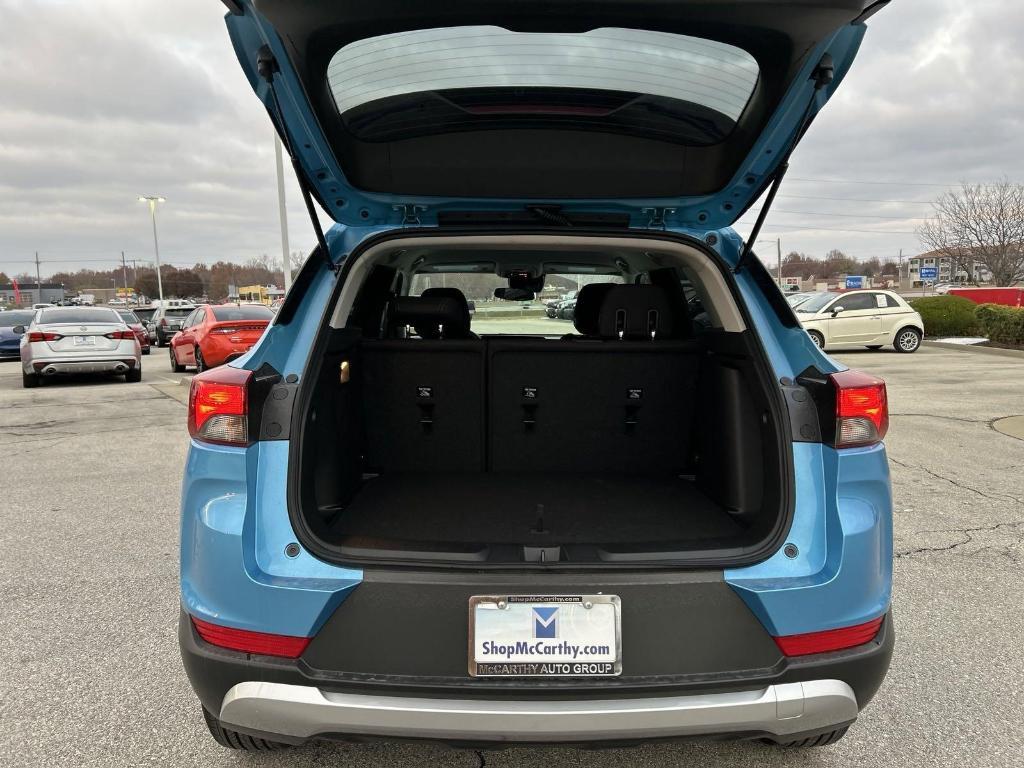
pixel 778 255
pixel 153 200
pixel 282 215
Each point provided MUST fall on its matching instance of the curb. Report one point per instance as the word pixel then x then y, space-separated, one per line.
pixel 1012 426
pixel 1017 353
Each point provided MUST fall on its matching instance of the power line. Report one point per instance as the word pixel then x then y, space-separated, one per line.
pixel 792 228
pixel 851 215
pixel 884 183
pixel 857 199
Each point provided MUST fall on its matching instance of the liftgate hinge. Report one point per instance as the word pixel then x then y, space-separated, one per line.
pixel 656 216
pixel 410 213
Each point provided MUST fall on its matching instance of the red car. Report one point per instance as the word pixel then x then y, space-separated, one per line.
pixel 137 327
pixel 214 334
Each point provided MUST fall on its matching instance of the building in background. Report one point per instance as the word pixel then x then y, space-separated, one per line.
pixel 967 270
pixel 30 293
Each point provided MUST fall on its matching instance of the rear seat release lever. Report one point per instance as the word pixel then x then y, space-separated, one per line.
pixel 425 401
pixel 529 403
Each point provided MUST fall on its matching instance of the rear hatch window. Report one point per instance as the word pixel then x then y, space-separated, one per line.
pixel 75 315
pixel 643 82
pixel 242 313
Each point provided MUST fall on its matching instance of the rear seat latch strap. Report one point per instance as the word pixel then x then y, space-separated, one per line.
pixel 634 398
pixel 529 403
pixel 425 401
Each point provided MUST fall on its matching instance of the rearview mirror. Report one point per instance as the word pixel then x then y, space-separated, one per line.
pixel 19 329
pixel 513 294
pixel 836 310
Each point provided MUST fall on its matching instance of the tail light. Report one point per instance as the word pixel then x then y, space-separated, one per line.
pixel 263 643
pixel 239 328
pixel 218 406
pixel 829 640
pixel 129 334
pixel 44 336
pixel 862 409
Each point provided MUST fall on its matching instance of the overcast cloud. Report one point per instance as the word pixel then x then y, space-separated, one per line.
pixel 102 101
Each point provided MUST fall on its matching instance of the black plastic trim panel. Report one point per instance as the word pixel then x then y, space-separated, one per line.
pixel 213 671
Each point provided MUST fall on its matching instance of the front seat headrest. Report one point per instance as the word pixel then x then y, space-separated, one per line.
pixel 636 312
pixel 588 307
pixel 433 317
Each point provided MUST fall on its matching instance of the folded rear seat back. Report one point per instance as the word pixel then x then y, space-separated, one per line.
pixel 424 397
pixel 620 402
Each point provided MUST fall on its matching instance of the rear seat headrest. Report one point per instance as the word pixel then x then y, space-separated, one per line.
pixel 636 312
pixel 433 316
pixel 588 307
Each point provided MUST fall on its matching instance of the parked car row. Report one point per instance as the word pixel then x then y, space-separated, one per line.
pixel 67 340
pixel 872 318
pixel 563 308
pixel 212 335
pixel 57 340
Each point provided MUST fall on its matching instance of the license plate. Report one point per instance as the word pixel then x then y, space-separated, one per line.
pixel 88 341
pixel 545 636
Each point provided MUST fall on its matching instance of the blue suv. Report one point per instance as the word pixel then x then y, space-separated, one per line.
pixel 669 519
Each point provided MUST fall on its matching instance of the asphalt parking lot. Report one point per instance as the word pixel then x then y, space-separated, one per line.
pixel 90 671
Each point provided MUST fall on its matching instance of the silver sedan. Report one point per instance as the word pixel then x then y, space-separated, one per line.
pixel 78 340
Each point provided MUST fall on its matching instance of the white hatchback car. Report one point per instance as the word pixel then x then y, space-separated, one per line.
pixel 78 340
pixel 871 318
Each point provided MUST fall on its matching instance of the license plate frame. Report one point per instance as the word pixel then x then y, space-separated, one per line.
pixel 607 665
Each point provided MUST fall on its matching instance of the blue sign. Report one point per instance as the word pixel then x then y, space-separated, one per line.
pixel 855 281
pixel 545 622
pixel 929 273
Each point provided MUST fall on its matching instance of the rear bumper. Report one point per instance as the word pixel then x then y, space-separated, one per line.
pixel 293 701
pixel 302 712
pixel 54 367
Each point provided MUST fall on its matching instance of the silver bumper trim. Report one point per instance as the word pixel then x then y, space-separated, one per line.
pixel 50 368
pixel 302 711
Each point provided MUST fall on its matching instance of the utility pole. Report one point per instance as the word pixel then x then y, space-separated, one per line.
pixel 283 215
pixel 39 282
pixel 899 271
pixel 124 273
pixel 778 252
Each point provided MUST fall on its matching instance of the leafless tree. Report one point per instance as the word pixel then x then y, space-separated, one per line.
pixel 980 223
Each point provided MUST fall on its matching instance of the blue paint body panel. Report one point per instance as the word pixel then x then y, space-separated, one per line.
pixel 234 517
pixel 842 529
pixel 235 523
pixel 234 530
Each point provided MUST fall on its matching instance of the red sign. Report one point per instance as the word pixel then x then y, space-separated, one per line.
pixel 17 290
pixel 1010 297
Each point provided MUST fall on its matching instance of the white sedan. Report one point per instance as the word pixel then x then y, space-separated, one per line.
pixel 869 318
pixel 78 340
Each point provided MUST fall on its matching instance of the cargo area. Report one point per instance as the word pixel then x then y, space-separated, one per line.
pixel 643 436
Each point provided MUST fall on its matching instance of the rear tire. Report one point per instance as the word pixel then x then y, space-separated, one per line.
pixel 235 740
pixel 200 363
pixel 818 339
pixel 907 340
pixel 821 740
pixel 134 376
pixel 145 351
pixel 175 365
pixel 29 380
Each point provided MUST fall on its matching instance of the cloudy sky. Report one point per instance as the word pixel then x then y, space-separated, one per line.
pixel 102 101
